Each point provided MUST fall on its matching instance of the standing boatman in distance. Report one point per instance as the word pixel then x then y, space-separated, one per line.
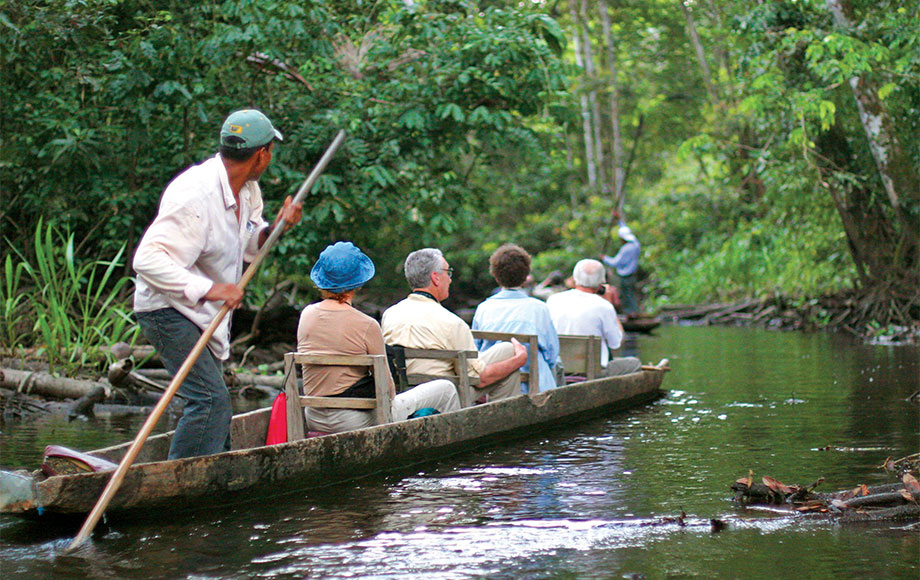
pixel 189 261
pixel 626 263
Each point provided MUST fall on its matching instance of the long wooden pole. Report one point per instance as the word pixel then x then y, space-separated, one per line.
pixel 199 347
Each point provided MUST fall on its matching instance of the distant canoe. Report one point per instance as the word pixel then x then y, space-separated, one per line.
pixel 157 484
pixel 642 323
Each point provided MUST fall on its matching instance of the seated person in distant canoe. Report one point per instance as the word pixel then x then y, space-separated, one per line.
pixel 420 321
pixel 511 310
pixel 584 311
pixel 334 326
pixel 552 284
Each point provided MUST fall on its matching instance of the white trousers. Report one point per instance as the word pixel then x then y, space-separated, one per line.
pixel 440 394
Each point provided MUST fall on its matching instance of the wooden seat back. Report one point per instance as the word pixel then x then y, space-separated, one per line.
pixel 296 402
pixel 532 378
pixel 462 380
pixel 581 355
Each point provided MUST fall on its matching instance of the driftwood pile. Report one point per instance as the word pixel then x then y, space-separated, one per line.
pixel 28 391
pixel 846 312
pixel 895 501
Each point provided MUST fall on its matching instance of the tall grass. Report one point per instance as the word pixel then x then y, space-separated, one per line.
pixel 76 309
pixel 13 304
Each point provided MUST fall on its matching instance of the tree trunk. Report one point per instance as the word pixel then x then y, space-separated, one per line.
pixel 585 109
pixel 700 55
pixel 894 167
pixel 887 242
pixel 614 96
pixel 591 76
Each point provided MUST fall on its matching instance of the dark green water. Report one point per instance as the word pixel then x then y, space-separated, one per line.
pixel 589 501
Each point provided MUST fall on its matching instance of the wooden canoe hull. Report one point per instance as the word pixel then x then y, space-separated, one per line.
pixel 323 460
pixel 640 324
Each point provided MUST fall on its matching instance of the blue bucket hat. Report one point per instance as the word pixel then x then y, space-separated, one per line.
pixel 342 267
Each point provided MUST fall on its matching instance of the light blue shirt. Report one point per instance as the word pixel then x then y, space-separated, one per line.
pixel 626 261
pixel 513 311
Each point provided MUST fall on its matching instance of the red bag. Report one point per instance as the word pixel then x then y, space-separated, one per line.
pixel 277 424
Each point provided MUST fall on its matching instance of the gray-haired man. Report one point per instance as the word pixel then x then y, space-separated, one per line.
pixel 583 311
pixel 420 321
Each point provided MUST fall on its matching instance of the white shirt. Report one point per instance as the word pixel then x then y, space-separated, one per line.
pixel 196 241
pixel 579 313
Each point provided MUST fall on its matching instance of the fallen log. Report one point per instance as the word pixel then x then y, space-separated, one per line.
pixel 248 379
pixel 725 312
pixel 157 374
pixel 141 389
pixel 122 350
pixel 83 407
pixel 47 385
pixel 237 379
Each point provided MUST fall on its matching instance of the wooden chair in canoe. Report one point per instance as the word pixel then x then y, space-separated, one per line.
pixel 296 402
pixel 532 378
pixel 378 365
pixel 581 357
pixel 462 380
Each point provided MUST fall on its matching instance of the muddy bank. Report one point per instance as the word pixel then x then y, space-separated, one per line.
pixel 845 312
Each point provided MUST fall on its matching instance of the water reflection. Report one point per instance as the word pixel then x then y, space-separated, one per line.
pixel 596 500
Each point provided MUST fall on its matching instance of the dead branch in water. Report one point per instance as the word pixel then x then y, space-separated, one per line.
pixel 897 501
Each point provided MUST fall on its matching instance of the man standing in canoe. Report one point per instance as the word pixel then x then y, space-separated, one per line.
pixel 420 321
pixel 189 261
pixel 626 263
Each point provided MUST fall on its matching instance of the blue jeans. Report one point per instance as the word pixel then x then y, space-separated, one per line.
pixel 204 428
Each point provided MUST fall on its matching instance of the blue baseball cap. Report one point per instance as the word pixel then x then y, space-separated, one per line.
pixel 342 267
pixel 248 128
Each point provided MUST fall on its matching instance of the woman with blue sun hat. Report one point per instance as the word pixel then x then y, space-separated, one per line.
pixel 334 326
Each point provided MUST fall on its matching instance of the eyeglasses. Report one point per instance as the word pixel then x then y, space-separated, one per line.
pixel 450 272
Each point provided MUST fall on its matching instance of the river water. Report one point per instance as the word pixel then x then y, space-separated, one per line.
pixel 596 500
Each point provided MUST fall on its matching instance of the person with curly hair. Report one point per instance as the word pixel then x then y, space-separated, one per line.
pixel 512 310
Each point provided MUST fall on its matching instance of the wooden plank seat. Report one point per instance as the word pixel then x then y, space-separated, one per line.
pixel 581 357
pixel 462 380
pixel 532 378
pixel 378 365
pixel 296 402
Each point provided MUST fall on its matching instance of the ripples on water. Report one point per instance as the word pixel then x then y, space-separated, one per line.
pixel 596 500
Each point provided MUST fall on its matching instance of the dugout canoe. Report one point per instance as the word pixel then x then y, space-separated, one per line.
pixel 153 484
pixel 641 323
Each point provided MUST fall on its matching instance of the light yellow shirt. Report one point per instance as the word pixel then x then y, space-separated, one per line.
pixel 420 322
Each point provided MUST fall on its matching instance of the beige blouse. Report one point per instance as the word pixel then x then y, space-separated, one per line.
pixel 326 331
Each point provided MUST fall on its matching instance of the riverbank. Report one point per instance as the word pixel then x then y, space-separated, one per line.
pixel 844 312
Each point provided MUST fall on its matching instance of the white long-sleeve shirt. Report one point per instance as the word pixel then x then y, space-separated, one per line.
pixel 196 241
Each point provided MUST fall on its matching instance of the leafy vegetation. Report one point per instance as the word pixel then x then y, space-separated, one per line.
pixel 76 308
pixel 750 160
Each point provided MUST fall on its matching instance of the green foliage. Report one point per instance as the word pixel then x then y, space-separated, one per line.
pixel 112 99
pixel 464 131
pixel 76 310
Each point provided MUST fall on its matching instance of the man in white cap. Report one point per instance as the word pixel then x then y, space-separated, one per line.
pixel 189 261
pixel 626 262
